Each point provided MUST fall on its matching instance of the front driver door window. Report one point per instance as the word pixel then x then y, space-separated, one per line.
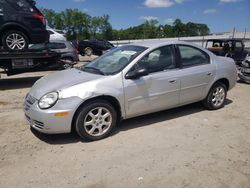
pixel 158 60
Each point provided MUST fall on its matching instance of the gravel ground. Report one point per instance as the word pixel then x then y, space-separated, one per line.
pixel 183 147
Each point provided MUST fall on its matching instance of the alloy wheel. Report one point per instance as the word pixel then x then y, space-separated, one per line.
pixel 98 121
pixel 218 96
pixel 15 41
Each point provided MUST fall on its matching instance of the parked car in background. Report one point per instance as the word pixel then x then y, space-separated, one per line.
pixel 56 34
pixel 128 81
pixel 93 47
pixel 21 24
pixel 244 70
pixel 233 48
pixel 69 55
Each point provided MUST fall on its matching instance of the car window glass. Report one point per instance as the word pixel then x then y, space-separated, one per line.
pixel 191 56
pixel 37 46
pixel 21 5
pixel 238 45
pixel 115 60
pixel 158 60
pixel 56 46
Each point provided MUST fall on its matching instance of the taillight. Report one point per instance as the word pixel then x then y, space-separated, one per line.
pixel 40 18
pixel 75 51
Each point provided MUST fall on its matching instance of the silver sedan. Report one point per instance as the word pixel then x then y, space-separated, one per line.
pixel 128 81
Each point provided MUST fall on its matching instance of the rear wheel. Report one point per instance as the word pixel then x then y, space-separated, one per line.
pixel 216 97
pixel 88 51
pixel 95 120
pixel 15 41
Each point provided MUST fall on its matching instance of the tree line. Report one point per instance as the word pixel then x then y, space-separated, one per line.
pixel 80 25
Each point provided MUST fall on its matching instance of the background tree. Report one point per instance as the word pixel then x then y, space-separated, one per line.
pixel 80 25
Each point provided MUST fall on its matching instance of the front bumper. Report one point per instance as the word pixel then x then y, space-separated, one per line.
pixel 45 121
pixel 244 74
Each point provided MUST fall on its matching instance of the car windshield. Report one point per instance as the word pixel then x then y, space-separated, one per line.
pixel 114 61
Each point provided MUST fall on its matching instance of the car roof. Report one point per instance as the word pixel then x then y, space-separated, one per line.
pixel 159 43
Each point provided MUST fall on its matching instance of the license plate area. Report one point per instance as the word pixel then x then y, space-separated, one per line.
pixel 22 63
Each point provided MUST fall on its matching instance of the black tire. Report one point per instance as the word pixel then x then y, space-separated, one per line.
pixel 88 51
pixel 83 117
pixel 68 64
pixel 214 101
pixel 8 41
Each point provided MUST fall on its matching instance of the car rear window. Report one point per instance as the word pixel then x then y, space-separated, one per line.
pixel 56 45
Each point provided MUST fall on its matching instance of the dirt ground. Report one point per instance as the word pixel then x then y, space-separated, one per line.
pixel 183 147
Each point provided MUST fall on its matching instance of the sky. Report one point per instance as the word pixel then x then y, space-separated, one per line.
pixel 219 15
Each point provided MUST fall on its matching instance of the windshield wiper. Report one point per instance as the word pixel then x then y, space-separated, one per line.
pixel 94 69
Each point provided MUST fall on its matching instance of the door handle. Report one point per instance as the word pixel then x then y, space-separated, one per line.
pixel 172 81
pixel 209 73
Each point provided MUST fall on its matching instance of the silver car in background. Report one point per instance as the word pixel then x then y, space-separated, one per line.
pixel 68 51
pixel 128 81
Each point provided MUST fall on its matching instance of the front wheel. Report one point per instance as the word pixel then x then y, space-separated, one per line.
pixel 216 97
pixel 95 120
pixel 15 41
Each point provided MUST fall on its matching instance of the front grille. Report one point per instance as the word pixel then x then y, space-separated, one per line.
pixel 38 124
pixel 29 100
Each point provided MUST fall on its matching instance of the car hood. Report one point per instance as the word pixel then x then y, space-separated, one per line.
pixel 60 80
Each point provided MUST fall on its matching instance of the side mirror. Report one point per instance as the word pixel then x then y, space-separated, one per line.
pixel 137 74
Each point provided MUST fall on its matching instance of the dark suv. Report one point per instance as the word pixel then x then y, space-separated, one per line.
pixel 233 48
pixel 21 24
pixel 96 47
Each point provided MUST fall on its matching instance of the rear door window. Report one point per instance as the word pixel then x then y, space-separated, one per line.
pixel 191 56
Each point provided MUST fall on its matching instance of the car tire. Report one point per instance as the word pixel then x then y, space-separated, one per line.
pixel 68 64
pixel 15 41
pixel 216 97
pixel 88 51
pixel 95 120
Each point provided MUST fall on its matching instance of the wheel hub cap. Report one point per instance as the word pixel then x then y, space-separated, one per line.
pixel 218 96
pixel 15 41
pixel 98 121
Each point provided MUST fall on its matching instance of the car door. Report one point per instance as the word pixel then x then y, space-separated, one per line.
pixel 156 91
pixel 197 72
pixel 238 51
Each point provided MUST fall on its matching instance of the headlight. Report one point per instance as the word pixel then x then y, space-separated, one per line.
pixel 48 100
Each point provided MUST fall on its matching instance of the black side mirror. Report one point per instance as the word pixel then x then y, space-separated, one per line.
pixel 137 74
